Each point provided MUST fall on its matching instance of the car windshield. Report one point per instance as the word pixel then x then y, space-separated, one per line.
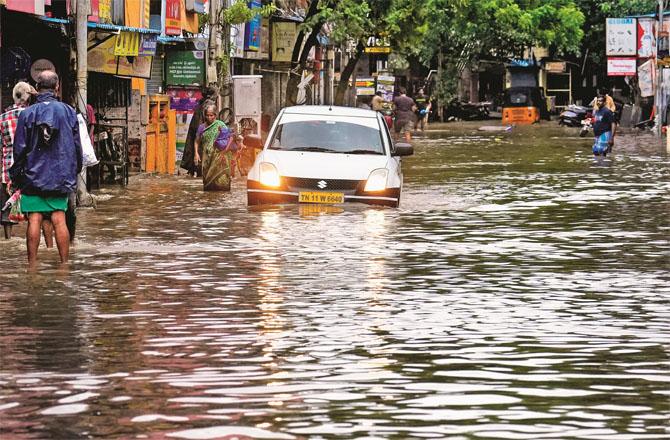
pixel 327 136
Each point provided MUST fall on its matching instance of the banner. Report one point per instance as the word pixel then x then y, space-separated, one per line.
pixel 173 17
pixel 283 40
pixel 621 66
pixel 621 37
pixel 646 78
pixel 386 85
pixel 253 30
pixel 646 37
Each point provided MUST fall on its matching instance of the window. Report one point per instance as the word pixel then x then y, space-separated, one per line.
pixel 327 136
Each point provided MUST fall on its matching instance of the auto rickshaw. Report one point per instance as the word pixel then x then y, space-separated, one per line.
pixel 524 105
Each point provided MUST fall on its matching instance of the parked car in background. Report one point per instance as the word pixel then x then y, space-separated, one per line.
pixel 328 155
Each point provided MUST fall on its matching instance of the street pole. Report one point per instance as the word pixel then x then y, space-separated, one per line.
pixel 81 20
pixel 212 53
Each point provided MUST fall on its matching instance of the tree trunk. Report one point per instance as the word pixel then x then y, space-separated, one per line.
pixel 346 74
pixel 300 54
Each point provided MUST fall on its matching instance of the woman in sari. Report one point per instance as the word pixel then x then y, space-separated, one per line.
pixel 216 141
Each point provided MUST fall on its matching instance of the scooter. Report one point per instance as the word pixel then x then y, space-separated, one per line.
pixel 573 115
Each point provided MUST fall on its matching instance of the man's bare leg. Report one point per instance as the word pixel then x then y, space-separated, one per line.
pixel 8 231
pixel 33 236
pixel 62 235
pixel 48 233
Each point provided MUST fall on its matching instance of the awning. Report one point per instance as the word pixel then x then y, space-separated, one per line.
pixel 105 26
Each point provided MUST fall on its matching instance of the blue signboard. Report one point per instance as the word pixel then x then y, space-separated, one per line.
pixel 252 41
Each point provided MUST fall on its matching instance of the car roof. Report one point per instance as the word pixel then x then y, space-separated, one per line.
pixel 330 110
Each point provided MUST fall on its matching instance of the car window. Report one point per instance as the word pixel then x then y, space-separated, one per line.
pixel 327 136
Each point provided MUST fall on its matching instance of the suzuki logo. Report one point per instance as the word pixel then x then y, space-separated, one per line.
pixel 322 184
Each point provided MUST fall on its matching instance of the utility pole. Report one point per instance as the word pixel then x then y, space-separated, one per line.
pixel 81 21
pixel 212 53
pixel 659 72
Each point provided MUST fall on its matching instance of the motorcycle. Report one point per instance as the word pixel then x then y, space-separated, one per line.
pixel 587 125
pixel 466 111
pixel 573 115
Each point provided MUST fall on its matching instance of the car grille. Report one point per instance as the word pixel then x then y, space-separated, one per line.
pixel 294 183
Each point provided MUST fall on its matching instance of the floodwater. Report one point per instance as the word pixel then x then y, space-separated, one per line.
pixel 521 291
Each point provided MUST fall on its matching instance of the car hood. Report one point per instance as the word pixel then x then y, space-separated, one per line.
pixel 314 165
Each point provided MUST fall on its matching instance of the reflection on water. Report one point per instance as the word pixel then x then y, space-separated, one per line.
pixel 520 291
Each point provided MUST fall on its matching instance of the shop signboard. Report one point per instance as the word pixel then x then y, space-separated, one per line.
pixel 555 66
pixel 365 86
pixel 185 67
pixel 621 37
pixel 101 59
pixel 148 45
pixel 378 45
pixel 283 40
pixel 127 44
pixel 253 30
pixel 646 37
pixel 173 17
pixel 620 66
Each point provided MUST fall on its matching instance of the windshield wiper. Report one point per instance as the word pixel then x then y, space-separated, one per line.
pixel 362 152
pixel 317 149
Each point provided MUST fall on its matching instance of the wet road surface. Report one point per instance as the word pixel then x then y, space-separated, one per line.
pixel 521 291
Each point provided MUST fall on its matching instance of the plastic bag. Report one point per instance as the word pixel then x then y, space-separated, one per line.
pixel 15 213
pixel 88 152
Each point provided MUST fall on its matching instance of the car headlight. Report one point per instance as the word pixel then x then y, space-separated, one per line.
pixel 377 180
pixel 269 176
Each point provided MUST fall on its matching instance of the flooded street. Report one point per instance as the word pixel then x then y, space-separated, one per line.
pixel 521 291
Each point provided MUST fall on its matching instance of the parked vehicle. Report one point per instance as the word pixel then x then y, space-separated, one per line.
pixel 573 115
pixel 587 125
pixel 466 111
pixel 328 155
pixel 524 105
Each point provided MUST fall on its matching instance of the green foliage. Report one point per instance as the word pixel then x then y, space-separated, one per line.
pixel 240 13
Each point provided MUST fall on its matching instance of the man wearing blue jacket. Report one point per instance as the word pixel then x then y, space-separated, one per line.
pixel 47 160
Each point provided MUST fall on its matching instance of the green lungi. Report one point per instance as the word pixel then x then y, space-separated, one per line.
pixel 33 203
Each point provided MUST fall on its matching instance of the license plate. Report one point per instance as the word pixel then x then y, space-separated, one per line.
pixel 321 197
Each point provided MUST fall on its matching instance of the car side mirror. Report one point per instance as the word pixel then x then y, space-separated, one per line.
pixel 253 141
pixel 403 149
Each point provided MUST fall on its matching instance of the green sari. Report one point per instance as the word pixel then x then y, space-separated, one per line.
pixel 216 164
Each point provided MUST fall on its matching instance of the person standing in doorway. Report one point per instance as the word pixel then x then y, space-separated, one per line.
pixel 22 94
pixel 404 114
pixel 47 160
pixel 604 128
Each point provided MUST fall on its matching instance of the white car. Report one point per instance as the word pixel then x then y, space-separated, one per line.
pixel 328 154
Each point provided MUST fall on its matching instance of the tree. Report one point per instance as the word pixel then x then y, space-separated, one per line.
pixel 496 30
pixel 354 21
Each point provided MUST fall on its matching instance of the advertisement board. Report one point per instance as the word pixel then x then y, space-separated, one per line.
pixel 173 17
pixel 646 37
pixel 386 85
pixel 621 37
pixel 617 66
pixel 283 40
pixel 185 67
pixel 101 59
pixel 237 41
pixel 253 30
pixel 646 78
